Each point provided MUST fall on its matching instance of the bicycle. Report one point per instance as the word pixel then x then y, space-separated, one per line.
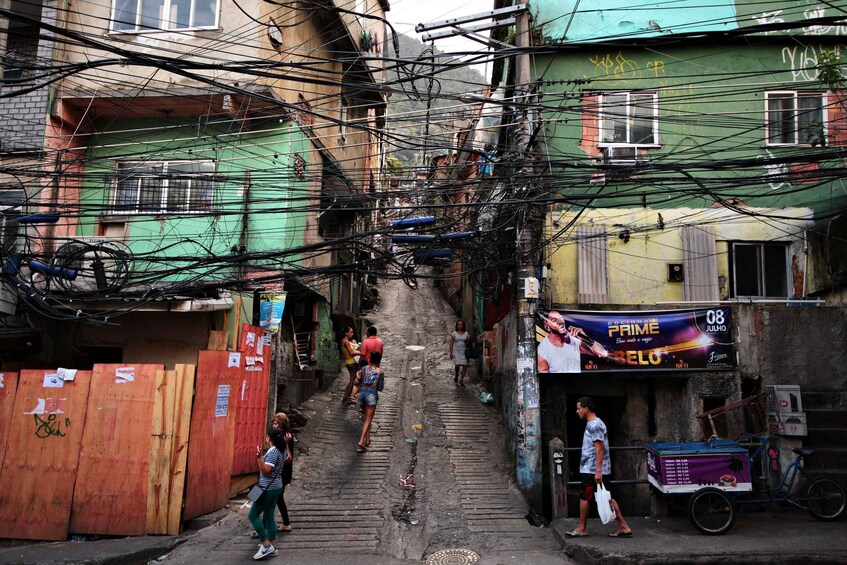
pixel 712 510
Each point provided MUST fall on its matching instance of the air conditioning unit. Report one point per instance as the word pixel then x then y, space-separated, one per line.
pixel 620 155
pixel 100 265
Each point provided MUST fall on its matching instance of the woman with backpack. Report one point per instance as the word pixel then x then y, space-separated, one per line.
pixel 370 380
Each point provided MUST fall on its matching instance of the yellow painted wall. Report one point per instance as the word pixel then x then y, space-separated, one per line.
pixel 637 269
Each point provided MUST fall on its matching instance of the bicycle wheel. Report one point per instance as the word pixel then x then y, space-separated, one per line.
pixel 826 499
pixel 711 511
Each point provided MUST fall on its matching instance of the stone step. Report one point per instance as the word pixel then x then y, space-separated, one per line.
pixel 824 437
pixel 825 418
pixel 827 458
pixel 829 400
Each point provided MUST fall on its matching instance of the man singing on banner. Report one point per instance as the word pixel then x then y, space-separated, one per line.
pixel 559 352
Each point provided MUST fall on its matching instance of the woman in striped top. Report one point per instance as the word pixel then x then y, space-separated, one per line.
pixel 261 514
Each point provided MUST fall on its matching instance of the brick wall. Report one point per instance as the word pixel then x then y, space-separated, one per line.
pixel 23 117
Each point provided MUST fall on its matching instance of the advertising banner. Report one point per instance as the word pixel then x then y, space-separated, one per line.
pixel 672 468
pixel 271 306
pixel 668 340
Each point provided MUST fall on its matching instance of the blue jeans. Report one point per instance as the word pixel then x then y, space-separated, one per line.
pixel 265 507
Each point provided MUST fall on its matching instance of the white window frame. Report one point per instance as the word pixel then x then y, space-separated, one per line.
pixel 186 207
pixel 762 281
pixel 796 94
pixel 164 24
pixel 601 118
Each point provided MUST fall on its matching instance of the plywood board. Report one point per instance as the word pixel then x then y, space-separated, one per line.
pixel 40 465
pixel 212 434
pixel 161 449
pixel 111 491
pixel 8 386
pixel 218 340
pixel 252 405
pixel 179 459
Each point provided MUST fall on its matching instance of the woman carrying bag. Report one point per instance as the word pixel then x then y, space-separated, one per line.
pixel 261 514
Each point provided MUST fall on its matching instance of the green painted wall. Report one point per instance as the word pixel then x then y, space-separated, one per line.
pixel 178 246
pixel 711 124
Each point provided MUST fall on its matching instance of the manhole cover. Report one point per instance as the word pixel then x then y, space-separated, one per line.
pixel 416 347
pixel 453 557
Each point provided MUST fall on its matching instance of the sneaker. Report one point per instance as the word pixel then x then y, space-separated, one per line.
pixel 254 535
pixel 273 553
pixel 265 551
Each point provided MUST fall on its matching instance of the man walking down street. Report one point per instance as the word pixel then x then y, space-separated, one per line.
pixel 369 345
pixel 594 465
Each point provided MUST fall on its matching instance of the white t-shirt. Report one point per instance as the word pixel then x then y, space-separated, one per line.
pixel 563 359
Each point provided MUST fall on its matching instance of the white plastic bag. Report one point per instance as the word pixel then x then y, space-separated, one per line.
pixel 604 504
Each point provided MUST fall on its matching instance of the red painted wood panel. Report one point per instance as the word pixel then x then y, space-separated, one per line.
pixel 40 465
pixel 252 406
pixel 8 386
pixel 110 497
pixel 212 435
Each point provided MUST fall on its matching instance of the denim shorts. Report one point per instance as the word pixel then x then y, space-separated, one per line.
pixel 367 398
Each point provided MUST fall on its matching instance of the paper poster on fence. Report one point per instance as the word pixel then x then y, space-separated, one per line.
pixel 222 401
pixel 668 340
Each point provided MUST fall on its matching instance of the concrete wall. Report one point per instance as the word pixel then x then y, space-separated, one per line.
pixel 801 345
pixel 236 38
pixel 506 385
pixel 637 268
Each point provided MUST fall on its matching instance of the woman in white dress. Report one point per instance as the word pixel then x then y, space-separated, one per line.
pixel 458 348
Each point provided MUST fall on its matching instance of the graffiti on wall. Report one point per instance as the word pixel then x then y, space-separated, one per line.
pixel 776 174
pixel 803 60
pixel 776 17
pixel 615 70
pixel 46 418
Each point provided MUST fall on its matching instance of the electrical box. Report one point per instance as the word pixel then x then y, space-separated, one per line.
pixel 675 272
pixel 531 287
pixel 785 410
pixel 785 399
pixel 794 425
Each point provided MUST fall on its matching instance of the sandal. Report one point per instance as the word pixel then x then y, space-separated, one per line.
pixel 361 448
pixel 574 533
pixel 620 534
pixel 287 528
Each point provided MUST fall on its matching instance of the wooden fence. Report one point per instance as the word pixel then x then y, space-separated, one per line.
pixel 127 449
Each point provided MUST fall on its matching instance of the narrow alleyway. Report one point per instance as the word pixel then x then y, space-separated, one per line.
pixel 348 507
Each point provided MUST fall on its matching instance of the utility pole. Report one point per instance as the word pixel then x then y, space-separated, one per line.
pixel 528 236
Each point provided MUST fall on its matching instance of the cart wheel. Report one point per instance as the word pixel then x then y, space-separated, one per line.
pixel 826 499
pixel 711 511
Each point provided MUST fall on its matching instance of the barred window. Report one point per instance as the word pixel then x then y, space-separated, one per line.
pixel 164 187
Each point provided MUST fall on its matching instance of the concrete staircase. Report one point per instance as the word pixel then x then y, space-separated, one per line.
pixel 826 413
